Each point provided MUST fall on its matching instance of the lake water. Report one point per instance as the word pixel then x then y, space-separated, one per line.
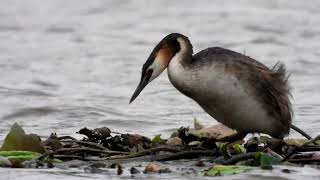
pixel 69 64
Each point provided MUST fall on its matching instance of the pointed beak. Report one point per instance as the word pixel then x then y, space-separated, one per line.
pixel 143 82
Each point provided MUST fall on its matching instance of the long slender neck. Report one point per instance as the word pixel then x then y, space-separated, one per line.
pixel 184 55
pixel 178 71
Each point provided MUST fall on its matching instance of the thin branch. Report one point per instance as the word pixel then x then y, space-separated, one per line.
pixel 312 141
pixel 61 157
pixel 239 157
pixel 66 137
pixel 87 150
pixel 85 143
pixel 308 149
pixel 184 155
pixel 305 160
pixel 162 157
pixel 142 153
pixel 296 128
pixel 293 150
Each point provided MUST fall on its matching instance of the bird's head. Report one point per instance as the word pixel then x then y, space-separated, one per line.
pixel 159 59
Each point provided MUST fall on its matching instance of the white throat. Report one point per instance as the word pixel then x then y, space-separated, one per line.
pixel 185 50
pixel 177 72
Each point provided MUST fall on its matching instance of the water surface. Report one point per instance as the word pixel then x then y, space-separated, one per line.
pixel 69 64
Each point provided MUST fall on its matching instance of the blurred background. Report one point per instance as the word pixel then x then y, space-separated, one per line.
pixel 69 64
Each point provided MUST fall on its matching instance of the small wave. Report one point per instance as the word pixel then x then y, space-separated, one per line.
pixel 35 93
pixel 10 28
pixel 265 29
pixel 23 92
pixel 60 29
pixel 126 123
pixel 267 40
pixel 309 34
pixel 36 111
pixel 44 83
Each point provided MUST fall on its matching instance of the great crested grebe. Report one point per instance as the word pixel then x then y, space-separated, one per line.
pixel 234 89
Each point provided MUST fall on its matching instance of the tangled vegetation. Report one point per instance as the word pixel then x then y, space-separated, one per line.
pixel 210 148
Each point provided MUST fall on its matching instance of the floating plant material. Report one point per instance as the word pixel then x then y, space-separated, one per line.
pixel 238 149
pixel 16 158
pixel 221 170
pixel 188 135
pixel 19 155
pixel 52 142
pixel 266 159
pixel 101 147
pixel 17 139
pixel 224 150
pixel 122 142
pixel 96 135
pixel 157 139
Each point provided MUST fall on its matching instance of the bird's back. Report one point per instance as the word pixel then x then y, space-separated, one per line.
pixel 214 54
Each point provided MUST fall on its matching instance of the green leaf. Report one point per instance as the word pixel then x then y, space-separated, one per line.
pixel 224 149
pixel 24 155
pixel 53 160
pixel 220 170
pixel 19 155
pixel 17 139
pixel 239 149
pixel 157 139
pixel 265 159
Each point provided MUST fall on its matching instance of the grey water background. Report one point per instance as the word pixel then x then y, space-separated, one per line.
pixel 69 64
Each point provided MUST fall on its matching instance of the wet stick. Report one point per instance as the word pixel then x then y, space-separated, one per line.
pixel 85 143
pixel 142 153
pixel 293 150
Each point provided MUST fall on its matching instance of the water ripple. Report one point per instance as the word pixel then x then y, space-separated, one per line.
pixel 60 29
pixel 79 63
pixel 23 92
pixel 33 112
